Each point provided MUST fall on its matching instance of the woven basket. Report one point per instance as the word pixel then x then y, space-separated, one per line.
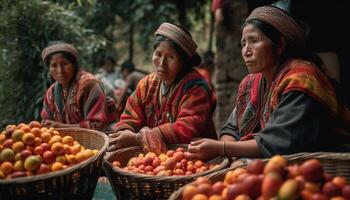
pixel 333 163
pixel 128 185
pixel 76 182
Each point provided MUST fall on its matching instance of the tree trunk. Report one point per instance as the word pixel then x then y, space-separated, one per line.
pixel 229 66
pixel 131 41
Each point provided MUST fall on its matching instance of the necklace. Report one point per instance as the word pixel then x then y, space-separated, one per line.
pixel 65 93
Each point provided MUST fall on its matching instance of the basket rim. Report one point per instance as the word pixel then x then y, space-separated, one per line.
pixel 224 163
pixel 68 169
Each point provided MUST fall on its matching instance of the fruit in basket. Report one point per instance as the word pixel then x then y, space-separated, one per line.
pixel 7 155
pixel 339 181
pixel 29 149
pixel 218 187
pixel 305 181
pixel 346 191
pixel 256 167
pixel 233 190
pixel 28 138
pixel 271 184
pixel 188 192
pixel 6 167
pixel 311 170
pixel 289 190
pixel 253 184
pixel 331 190
pixel 173 162
pixel 32 163
pixel 17 135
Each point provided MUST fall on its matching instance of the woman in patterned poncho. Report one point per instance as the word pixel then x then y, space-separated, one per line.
pixel 172 105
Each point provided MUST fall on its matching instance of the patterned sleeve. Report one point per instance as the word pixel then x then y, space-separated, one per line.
pixel 194 118
pixel 133 117
pixel 93 104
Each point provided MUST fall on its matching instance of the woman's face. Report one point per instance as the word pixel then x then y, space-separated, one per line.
pixel 258 51
pixel 167 62
pixel 61 69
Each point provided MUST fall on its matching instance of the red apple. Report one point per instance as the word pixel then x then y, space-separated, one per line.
pixel 331 190
pixel 256 167
pixel 312 170
pixel 48 157
pixel 25 153
pixel 43 169
pixel 346 191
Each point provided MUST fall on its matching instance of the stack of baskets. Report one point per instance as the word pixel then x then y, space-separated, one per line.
pixel 336 164
pixel 76 182
pixel 128 185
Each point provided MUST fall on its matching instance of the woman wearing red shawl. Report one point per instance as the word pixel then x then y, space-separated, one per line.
pixel 286 104
pixel 76 98
pixel 172 105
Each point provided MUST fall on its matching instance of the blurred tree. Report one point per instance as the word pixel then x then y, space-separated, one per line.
pixel 125 20
pixel 26 28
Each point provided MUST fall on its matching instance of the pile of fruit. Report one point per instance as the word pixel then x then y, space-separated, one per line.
pixel 29 149
pixel 172 163
pixel 273 180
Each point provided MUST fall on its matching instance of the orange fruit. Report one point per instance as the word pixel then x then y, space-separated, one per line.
pixel 80 157
pixel 2 137
pixel 34 124
pixel 88 153
pixel 55 138
pixel 75 149
pixel 25 128
pixel 68 140
pixel 18 166
pixel 20 125
pixel 38 141
pixel 188 192
pixel 28 138
pixel 46 136
pixel 2 175
pixel 71 159
pixel 44 129
pixel 17 135
pixel 56 166
pixel 199 197
pixel 36 131
pixel 6 167
pixel 17 147
pixel 57 148
pixel 339 181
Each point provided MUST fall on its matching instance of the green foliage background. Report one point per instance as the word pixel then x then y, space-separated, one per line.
pixel 26 28
pixel 95 27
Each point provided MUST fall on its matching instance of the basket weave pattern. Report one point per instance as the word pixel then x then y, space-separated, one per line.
pixel 128 185
pixel 76 182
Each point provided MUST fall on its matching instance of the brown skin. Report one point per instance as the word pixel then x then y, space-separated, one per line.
pixel 167 62
pixel 62 71
pixel 167 65
pixel 260 56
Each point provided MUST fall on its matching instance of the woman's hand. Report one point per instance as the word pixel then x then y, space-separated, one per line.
pixel 205 149
pixel 123 139
pixel 52 123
